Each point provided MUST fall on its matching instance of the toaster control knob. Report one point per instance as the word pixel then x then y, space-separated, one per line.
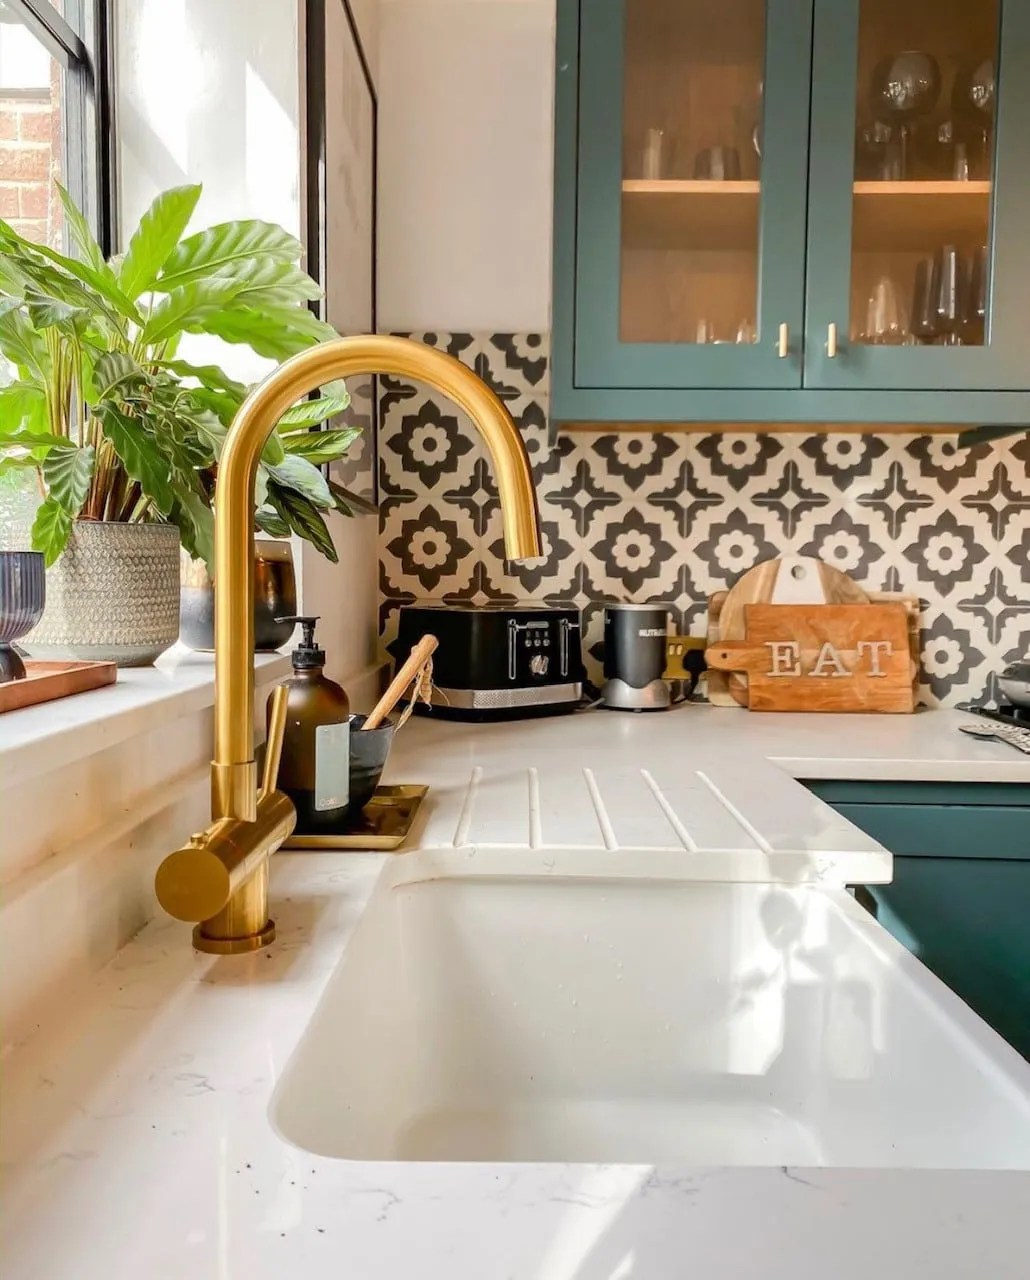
pixel 539 663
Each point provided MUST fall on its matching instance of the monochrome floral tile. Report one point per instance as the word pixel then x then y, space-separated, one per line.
pixel 671 518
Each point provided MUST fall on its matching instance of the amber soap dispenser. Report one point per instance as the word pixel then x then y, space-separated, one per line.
pixel 315 767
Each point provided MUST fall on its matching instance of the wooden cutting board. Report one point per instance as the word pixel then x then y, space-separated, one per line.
pixel 787 580
pixel 830 658
pixel 717 683
pixel 913 607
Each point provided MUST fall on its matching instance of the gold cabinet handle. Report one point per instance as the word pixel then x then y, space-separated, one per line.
pixel 831 341
pixel 783 345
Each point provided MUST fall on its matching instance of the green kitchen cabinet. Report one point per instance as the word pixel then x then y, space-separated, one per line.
pixel 960 897
pixel 750 193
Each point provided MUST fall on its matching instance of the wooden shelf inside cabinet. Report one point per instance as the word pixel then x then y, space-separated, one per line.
pixel 920 216
pixel 672 213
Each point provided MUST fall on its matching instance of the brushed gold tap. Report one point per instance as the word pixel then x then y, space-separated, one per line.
pixel 220 877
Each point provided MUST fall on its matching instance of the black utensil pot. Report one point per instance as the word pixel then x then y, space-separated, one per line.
pixel 369 749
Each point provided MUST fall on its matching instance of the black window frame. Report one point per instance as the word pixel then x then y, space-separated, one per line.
pixel 83 44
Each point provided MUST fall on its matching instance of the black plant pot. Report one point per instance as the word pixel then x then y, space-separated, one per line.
pixel 275 596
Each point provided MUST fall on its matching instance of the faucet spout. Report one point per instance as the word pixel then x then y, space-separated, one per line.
pixel 243 924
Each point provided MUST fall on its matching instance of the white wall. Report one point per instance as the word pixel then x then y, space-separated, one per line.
pixel 465 147
pixel 210 92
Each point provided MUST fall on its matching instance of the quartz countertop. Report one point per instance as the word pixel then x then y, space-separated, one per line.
pixel 135 1130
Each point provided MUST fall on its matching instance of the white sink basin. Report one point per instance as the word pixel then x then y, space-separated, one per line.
pixel 590 1020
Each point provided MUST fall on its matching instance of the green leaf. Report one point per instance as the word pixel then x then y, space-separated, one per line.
pixel 196 523
pixel 57 276
pixel 270 522
pixel 350 504
pixel 156 236
pixel 12 281
pixel 208 375
pixel 280 282
pixel 115 369
pixel 273 454
pixel 303 518
pixel 139 455
pixel 336 388
pixel 223 406
pixel 268 284
pixel 51 313
pixel 276 332
pixel 82 236
pixel 297 473
pixel 22 408
pixel 67 473
pixel 117 376
pixel 206 425
pixel 22 345
pixel 51 530
pixel 34 440
pixel 226 248
pixel 309 413
pixel 320 447
pixel 16 462
pixel 191 305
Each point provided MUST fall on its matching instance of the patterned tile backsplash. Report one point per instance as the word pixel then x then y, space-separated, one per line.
pixel 674 517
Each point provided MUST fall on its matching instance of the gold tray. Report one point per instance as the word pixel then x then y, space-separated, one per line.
pixel 385 824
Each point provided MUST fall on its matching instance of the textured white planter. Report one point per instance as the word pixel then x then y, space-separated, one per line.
pixel 112 596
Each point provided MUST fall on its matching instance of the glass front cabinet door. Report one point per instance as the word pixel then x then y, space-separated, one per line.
pixel 793 211
pixel 918 273
pixel 691 195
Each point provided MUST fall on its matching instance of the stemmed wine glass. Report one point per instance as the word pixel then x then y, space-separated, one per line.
pixel 972 101
pixel 904 87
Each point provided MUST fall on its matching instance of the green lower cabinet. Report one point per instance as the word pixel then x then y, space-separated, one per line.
pixel 960 899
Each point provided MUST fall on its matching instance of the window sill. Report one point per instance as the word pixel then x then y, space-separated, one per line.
pixel 41 739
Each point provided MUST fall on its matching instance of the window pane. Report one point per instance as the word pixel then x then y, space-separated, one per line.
pixel 32 144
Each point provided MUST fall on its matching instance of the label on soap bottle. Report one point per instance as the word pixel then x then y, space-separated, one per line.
pixel 332 766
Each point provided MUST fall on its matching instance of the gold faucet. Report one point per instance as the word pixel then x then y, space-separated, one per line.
pixel 220 877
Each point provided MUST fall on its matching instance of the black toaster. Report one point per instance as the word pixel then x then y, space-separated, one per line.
pixel 497 662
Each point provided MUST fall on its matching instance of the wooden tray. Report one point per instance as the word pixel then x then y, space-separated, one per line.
pixel 45 681
pixel 385 824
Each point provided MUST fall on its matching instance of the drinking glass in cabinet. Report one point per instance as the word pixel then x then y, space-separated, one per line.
pixel 922 201
pixel 886 323
pixel 689 254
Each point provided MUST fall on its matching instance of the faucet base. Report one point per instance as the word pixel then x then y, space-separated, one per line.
pixel 233 946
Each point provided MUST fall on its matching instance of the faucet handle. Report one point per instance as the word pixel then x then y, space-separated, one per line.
pixel 274 739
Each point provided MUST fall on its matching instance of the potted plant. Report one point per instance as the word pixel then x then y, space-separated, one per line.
pixel 123 435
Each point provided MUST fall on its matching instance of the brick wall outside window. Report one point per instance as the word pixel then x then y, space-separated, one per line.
pixel 30 158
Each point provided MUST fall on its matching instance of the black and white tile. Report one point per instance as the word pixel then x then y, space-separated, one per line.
pixel 673 517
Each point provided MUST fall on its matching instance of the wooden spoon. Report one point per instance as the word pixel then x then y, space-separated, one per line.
pixel 418 657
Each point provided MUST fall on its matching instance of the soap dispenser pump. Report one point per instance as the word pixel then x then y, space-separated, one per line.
pixel 315 767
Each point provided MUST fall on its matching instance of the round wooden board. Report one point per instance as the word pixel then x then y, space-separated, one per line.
pixel 787 580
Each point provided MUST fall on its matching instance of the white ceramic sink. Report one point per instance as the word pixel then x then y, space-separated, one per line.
pixel 591 1020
